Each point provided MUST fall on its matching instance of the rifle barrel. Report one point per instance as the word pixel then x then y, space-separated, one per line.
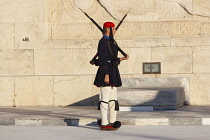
pixel 93 21
pixel 122 52
pixel 99 27
pixel 120 22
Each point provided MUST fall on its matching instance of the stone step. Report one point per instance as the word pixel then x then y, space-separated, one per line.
pixel 136 108
pixel 93 121
pixel 159 98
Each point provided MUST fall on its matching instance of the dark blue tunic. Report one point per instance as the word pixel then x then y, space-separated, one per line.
pixel 105 65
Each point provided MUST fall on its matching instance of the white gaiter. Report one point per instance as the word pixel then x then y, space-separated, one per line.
pixel 107 94
pixel 112 112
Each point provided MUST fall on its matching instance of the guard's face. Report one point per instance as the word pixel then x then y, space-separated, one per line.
pixel 113 30
pixel 108 31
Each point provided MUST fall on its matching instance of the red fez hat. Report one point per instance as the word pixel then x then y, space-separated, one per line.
pixel 108 24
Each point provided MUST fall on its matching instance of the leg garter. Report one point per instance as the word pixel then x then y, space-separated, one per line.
pixel 100 104
pixel 116 104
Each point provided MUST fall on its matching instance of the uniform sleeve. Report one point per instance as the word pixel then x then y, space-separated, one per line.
pixel 102 58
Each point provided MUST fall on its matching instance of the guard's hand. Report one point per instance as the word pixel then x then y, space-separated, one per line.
pixel 124 58
pixel 92 62
pixel 106 79
pixel 127 56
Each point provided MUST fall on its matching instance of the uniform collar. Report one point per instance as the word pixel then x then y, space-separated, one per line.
pixel 107 37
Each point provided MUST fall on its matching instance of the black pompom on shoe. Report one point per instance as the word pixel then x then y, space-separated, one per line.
pixel 117 124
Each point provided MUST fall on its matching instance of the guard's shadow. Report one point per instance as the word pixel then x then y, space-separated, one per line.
pixel 93 125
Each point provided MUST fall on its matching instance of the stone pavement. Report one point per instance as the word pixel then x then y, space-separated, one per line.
pixel 126 132
pixel 87 115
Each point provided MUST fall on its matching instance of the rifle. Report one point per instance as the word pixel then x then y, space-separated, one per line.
pixel 121 51
pixel 93 21
pixel 122 20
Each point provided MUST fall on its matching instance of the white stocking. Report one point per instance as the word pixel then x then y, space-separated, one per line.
pixel 105 96
pixel 112 112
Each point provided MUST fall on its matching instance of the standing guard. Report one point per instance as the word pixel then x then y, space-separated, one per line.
pixel 108 76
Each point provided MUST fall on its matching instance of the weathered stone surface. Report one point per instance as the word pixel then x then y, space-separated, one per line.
pixel 163 75
pixel 201 7
pixel 16 11
pixel 126 76
pixel 185 121
pixel 81 60
pixel 28 122
pixel 151 75
pixel 136 56
pixel 155 121
pixel 70 90
pixel 155 82
pixel 81 44
pixel 163 28
pixel 199 88
pixel 124 65
pixel 16 62
pixel 7 36
pixel 53 62
pixel 143 76
pixel 40 10
pixel 8 121
pixel 73 31
pixel 141 10
pixel 148 28
pixel 95 92
pixel 124 121
pixel 182 41
pixel 173 59
pixel 34 91
pixel 169 93
pixel 151 96
pixel 54 122
pixel 37 34
pixel 171 9
pixel 201 60
pixel 64 10
pixel 6 91
pixel 199 92
pixel 144 41
pixel 185 28
pixel 205 28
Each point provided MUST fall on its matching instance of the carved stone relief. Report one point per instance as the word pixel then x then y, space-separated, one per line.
pixel 68 22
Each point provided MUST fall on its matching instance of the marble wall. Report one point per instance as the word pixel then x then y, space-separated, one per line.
pixel 52 68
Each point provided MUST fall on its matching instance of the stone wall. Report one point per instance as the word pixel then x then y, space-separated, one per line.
pixel 52 68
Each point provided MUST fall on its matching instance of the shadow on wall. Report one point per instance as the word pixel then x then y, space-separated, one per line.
pixel 91 101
